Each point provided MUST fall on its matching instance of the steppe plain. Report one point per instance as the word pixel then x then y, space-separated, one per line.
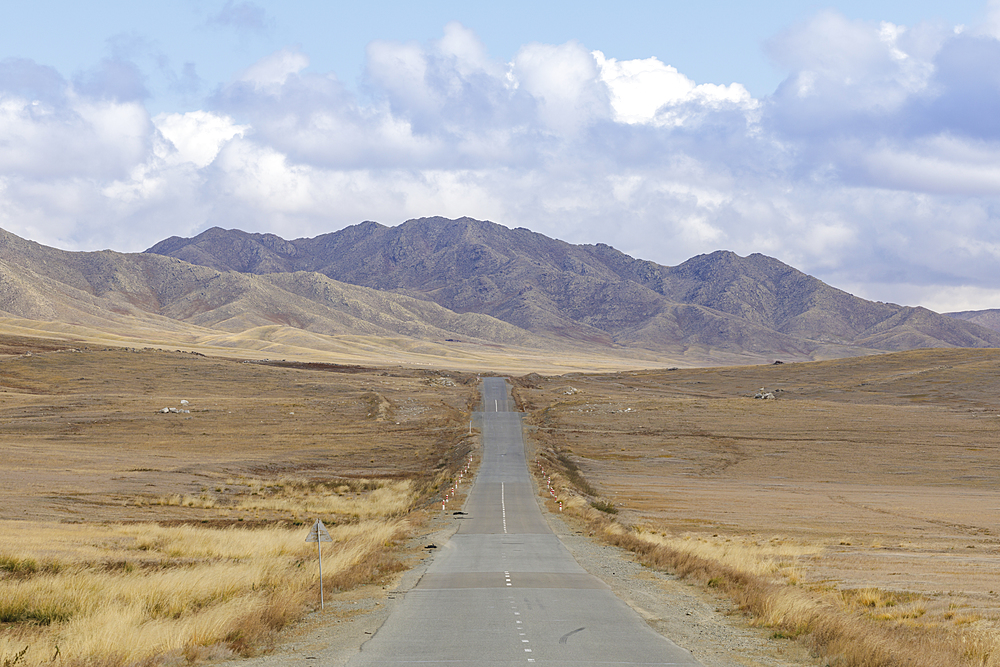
pixel 129 535
pixel 872 481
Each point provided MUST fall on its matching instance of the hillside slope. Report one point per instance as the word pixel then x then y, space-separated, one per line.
pixel 125 293
pixel 989 318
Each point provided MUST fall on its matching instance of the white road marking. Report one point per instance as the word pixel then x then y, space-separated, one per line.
pixel 503 508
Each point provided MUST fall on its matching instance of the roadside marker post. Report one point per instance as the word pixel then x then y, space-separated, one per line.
pixel 319 534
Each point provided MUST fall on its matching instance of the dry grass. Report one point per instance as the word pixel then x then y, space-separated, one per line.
pixel 854 513
pixel 296 498
pixel 181 590
pixel 83 435
pixel 18 336
pixel 133 537
pixel 855 628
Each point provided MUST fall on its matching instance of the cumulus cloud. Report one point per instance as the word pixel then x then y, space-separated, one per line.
pixel 564 81
pixel 648 91
pixel 873 165
pixel 196 136
pixel 80 137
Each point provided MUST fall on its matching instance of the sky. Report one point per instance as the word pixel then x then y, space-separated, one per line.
pixel 856 141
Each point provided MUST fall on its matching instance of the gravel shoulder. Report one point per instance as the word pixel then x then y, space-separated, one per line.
pixel 707 625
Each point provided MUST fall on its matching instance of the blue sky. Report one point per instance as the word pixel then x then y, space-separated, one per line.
pixel 857 141
pixel 710 41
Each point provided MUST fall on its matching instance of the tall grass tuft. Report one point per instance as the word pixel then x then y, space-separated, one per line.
pixel 185 591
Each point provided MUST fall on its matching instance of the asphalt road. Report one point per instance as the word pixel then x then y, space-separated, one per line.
pixel 504 590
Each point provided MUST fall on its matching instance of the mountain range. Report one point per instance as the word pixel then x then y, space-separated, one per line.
pixel 592 294
pixel 456 291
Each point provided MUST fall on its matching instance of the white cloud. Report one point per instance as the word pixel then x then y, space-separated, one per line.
pixel 941 299
pixel 641 88
pixel 275 69
pixel 564 81
pixel 991 26
pixel 81 137
pixel 939 165
pixel 196 136
pixel 873 164
pixel 958 298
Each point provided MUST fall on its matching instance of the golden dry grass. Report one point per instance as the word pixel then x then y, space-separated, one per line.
pixel 287 342
pixel 133 537
pixel 176 590
pixel 857 511
pixel 297 498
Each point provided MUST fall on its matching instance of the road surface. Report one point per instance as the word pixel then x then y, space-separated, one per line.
pixel 504 590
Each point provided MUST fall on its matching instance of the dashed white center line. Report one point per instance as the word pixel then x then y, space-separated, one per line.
pixel 503 508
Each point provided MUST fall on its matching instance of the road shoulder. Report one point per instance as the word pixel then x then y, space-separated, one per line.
pixel 708 626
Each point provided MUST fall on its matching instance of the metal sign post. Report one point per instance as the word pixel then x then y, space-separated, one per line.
pixel 319 534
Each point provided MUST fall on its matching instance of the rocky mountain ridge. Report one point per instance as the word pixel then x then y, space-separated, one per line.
pixel 989 318
pixel 593 294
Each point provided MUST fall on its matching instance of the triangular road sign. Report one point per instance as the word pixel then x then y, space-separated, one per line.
pixel 319 533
